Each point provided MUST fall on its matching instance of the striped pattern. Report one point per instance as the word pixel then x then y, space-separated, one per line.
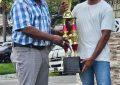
pixel 26 13
pixel 90 20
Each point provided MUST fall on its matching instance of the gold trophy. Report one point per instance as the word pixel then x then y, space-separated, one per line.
pixel 71 63
pixel 70 32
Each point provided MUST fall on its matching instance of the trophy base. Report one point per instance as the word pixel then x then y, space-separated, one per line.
pixel 72 65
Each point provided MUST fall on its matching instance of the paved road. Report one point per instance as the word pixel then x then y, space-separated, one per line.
pixel 9 82
pixel 60 80
pixel 64 80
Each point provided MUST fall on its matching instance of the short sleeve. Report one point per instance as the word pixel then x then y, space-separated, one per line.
pixel 20 16
pixel 108 20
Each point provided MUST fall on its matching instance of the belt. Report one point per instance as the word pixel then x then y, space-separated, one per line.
pixel 29 46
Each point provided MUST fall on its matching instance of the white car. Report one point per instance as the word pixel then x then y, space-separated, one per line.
pixel 56 59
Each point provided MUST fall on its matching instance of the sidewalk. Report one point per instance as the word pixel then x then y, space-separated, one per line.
pixel 65 80
pixel 57 80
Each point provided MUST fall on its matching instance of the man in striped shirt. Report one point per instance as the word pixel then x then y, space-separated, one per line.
pixel 31 36
pixel 95 20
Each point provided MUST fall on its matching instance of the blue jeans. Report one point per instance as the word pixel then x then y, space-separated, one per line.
pixel 99 69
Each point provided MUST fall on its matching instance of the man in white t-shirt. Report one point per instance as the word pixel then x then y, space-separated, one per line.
pixel 94 20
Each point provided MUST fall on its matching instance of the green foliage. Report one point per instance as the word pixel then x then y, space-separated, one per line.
pixel 54 74
pixel 6 5
pixel 6 68
pixel 55 4
pixel 54 7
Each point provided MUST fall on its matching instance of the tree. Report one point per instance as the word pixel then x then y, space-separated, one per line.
pixel 6 5
pixel 54 5
pixel 54 8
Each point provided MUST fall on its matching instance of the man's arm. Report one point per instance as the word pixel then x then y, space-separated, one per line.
pixel 36 34
pixel 102 43
pixel 100 46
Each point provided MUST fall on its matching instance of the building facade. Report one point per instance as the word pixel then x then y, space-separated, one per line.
pixel 116 7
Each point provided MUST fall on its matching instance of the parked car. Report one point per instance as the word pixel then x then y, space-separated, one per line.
pixel 56 59
pixel 5 52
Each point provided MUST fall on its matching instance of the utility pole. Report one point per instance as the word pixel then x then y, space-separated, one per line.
pixel 4 21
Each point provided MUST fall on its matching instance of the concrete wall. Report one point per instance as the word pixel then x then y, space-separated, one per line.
pixel 114 43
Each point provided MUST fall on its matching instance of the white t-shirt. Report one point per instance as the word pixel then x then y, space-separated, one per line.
pixel 90 20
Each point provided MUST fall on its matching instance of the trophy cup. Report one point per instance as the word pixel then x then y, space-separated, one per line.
pixel 71 63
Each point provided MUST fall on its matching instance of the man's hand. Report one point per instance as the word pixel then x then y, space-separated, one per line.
pixel 58 40
pixel 88 63
pixel 63 6
pixel 57 32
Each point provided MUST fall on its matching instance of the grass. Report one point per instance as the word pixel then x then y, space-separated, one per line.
pixel 7 68
pixel 54 74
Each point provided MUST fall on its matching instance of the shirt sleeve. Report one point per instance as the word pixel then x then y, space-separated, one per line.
pixel 108 20
pixel 73 12
pixel 20 16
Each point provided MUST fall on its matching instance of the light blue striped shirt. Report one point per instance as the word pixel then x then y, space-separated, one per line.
pixel 26 13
